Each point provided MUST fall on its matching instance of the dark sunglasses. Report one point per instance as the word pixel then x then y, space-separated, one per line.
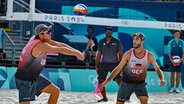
pixel 108 30
pixel 48 32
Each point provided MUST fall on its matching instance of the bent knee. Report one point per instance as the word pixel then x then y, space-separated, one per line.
pixel 52 89
pixel 119 102
pixel 143 98
pixel 56 90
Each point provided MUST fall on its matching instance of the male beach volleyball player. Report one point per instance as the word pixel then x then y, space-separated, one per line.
pixel 135 63
pixel 28 80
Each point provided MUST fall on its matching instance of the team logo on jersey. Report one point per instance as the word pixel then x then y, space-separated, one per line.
pixel 138 69
pixel 138 66
pixel 113 43
pixel 133 60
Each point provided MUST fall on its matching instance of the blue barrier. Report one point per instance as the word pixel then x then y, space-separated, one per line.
pixel 80 80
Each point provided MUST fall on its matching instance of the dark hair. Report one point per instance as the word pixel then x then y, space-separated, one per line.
pixel 140 35
pixel 90 27
pixel 37 37
pixel 177 31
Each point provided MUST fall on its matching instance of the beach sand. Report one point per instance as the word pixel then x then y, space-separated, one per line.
pixel 66 97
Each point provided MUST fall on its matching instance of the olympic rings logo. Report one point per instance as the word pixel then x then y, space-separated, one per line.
pixel 93 79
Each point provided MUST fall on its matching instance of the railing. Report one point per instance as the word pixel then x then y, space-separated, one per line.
pixel 26 6
pixel 12 45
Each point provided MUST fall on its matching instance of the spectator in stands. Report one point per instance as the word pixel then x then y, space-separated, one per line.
pixel 175 50
pixel 90 35
pixel 90 52
pixel 91 47
pixel 28 80
pixel 108 57
pixel 2 54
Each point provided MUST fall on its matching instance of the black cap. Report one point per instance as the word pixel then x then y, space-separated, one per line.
pixel 108 28
pixel 140 35
pixel 41 28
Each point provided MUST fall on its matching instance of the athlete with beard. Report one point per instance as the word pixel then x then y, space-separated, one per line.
pixel 28 80
pixel 134 66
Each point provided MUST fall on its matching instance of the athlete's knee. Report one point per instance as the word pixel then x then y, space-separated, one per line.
pixel 55 90
pixel 118 102
pixel 143 99
pixel 28 102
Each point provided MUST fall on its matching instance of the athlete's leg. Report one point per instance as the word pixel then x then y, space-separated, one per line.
pixel 118 81
pixel 118 102
pixel 178 75
pixel 54 92
pixel 143 99
pixel 27 102
pixel 142 93
pixel 26 91
pixel 124 92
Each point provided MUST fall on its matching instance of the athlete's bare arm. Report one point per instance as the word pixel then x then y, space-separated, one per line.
pixel 157 69
pixel 46 47
pixel 55 43
pixel 115 71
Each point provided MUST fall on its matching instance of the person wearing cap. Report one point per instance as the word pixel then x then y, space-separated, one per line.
pixel 175 49
pixel 28 80
pixel 109 54
pixel 134 66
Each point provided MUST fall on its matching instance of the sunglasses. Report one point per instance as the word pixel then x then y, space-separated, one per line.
pixel 48 32
pixel 108 30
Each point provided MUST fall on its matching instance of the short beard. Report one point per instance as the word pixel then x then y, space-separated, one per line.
pixel 46 40
pixel 108 36
pixel 138 45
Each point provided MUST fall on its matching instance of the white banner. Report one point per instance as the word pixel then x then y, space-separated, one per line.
pixel 19 16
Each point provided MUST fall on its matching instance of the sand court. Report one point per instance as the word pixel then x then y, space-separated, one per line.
pixel 66 97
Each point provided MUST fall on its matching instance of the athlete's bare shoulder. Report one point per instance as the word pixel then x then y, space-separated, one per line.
pixel 127 52
pixel 126 55
pixel 151 56
pixel 39 48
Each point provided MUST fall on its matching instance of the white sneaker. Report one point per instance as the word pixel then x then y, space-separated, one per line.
pixel 171 90
pixel 177 90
